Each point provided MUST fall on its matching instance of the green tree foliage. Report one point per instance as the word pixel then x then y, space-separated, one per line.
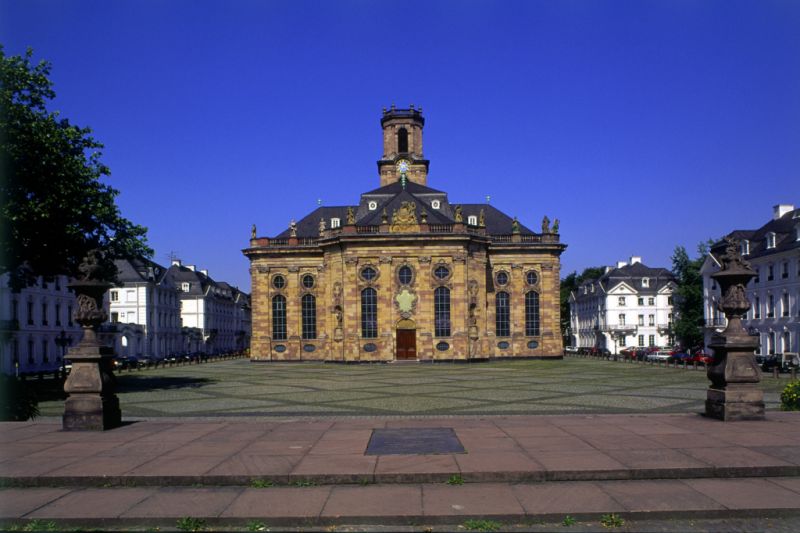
pixel 569 284
pixel 54 207
pixel 688 299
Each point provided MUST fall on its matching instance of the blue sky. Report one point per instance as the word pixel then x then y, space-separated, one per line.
pixel 640 125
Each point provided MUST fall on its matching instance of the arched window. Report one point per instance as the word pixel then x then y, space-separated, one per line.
pixel 532 314
pixel 308 306
pixel 502 315
pixel 402 141
pixel 369 313
pixel 441 312
pixel 279 318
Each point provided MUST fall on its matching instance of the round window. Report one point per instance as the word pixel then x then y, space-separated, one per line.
pixel 405 274
pixel 372 206
pixel 308 281
pixel 441 272
pixel 279 282
pixel 531 277
pixel 369 273
pixel 502 278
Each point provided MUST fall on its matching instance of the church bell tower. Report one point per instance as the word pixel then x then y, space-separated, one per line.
pixel 402 146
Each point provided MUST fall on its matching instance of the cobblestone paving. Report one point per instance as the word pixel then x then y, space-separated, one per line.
pixel 574 385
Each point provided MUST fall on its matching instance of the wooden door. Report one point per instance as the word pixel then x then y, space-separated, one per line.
pixel 406 344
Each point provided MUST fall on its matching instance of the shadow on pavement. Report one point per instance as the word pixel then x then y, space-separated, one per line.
pixel 143 383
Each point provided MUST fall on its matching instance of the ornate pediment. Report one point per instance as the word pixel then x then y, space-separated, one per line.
pixel 405 218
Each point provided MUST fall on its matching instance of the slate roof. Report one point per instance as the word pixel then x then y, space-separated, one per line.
pixel 785 229
pixel 631 275
pixel 139 270
pixel 391 197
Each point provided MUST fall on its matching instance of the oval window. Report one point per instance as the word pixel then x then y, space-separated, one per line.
pixel 501 278
pixel 308 281
pixel 280 348
pixel 370 347
pixel 279 282
pixel 441 272
pixel 405 275
pixel 309 347
pixel 531 277
pixel 372 206
pixel 442 346
pixel 533 344
pixel 502 345
pixel 369 273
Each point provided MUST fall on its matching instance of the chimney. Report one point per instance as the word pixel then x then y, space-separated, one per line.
pixel 190 267
pixel 204 272
pixel 781 209
pixel 176 262
pixel 635 259
pixel 621 264
pixel 607 270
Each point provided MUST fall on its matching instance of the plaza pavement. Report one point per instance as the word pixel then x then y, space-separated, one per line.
pixel 308 471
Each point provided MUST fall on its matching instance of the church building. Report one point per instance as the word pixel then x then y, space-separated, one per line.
pixel 405 274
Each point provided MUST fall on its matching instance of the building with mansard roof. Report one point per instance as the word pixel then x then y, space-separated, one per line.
pixel 405 273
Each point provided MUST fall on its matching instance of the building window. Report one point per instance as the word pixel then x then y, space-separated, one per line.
pixel 114 296
pixel 69 315
pixel 308 281
pixel 502 315
pixel 30 313
pixel 372 206
pixel 621 301
pixel 785 270
pixel 45 353
pixel 770 240
pixel 757 308
pixel 44 313
pixel 308 305
pixel 651 301
pixel 441 272
pixel 640 301
pixel 641 340
pixel 669 319
pixel 787 342
pixel 651 340
pixel 405 275
pixel 57 282
pixel 621 319
pixel 770 273
pixel 771 343
pixel 532 314
pixel 369 313
pixel 645 282
pixel 501 278
pixel 336 222
pixel 441 312
pixel 641 320
pixel 31 357
pixel 745 247
pixel 368 273
pixel 402 141
pixel 114 317
pixel 14 309
pixel 669 300
pixel 436 204
pixel 651 320
pixel 279 318
pixel 472 220
pixel 770 306
pixel 623 340
pixel 785 304
pixel 279 282
pixel 58 314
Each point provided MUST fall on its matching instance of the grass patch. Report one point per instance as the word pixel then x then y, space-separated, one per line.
pixel 482 525
pixel 257 483
pixel 255 525
pixel 568 521
pixel 612 520
pixel 455 479
pixel 303 483
pixel 188 523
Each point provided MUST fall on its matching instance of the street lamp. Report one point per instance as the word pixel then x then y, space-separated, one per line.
pixel 62 341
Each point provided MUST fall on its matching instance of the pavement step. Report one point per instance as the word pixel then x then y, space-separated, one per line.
pixel 509 503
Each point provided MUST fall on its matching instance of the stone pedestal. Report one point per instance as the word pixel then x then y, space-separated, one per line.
pixel 744 401
pixel 91 404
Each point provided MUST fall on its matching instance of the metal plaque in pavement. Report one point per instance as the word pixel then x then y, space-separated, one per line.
pixel 413 441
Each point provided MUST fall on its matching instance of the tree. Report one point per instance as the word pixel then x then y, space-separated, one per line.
pixel 688 299
pixel 54 207
pixel 569 284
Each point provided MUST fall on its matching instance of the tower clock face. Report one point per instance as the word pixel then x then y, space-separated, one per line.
pixel 402 166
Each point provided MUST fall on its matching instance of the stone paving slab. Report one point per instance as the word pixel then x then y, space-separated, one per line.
pixel 406 504
pixel 497 449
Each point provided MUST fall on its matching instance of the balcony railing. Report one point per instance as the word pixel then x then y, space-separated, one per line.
pixel 619 328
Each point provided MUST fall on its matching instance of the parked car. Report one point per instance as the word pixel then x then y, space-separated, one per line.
pixel 681 356
pixel 660 355
pixel 571 349
pixel 702 357
pixel 774 361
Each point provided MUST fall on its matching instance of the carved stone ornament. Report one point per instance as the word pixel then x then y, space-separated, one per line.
pixel 385 260
pixel 351 260
pixel 406 302
pixel 406 215
pixel 424 259
pixel 262 269
pixel 322 267
pixel 351 216
pixel 516 266
pixel 294 269
pixel 457 214
pixel 337 294
pixel 460 258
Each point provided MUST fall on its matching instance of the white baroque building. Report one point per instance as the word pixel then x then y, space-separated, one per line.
pixel 36 326
pixel 773 251
pixel 219 311
pixel 629 305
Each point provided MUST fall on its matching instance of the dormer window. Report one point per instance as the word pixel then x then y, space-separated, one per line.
pixel 770 240
pixel 185 286
pixel 336 222
pixel 745 247
pixel 436 204
pixel 645 282
pixel 372 205
pixel 472 220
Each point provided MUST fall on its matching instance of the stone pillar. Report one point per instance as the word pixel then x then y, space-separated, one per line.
pixel 734 393
pixel 91 403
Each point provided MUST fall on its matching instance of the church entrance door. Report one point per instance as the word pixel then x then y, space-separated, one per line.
pixel 406 344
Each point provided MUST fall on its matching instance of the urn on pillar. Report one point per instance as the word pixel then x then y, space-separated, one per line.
pixel 91 403
pixel 734 393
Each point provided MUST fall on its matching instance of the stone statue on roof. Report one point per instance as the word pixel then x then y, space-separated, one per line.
pixel 351 216
pixel 321 225
pixel 293 228
pixel 458 216
pixel 482 219
pixel 253 232
pixel 545 225
pixel 515 225
pixel 555 226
